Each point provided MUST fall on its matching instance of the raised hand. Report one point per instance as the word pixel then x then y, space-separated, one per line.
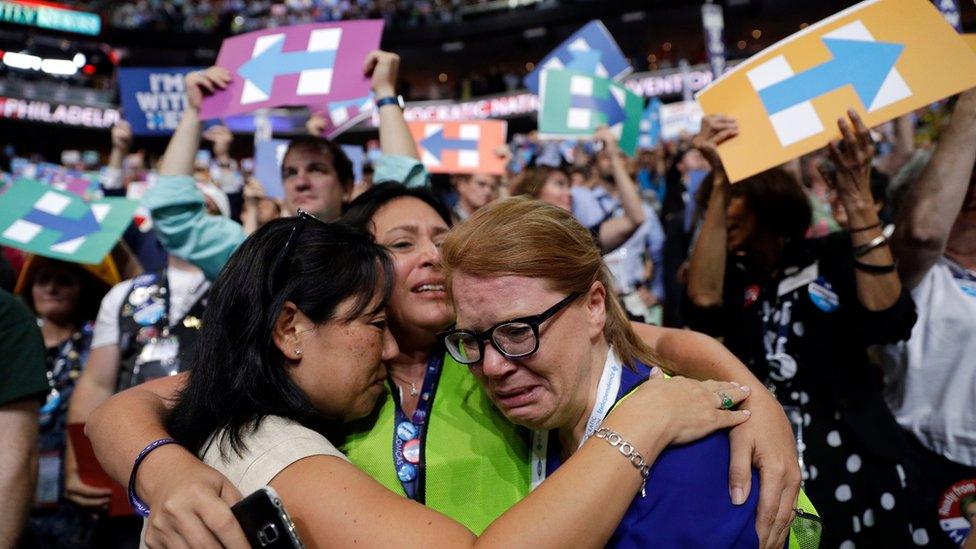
pixel 205 82
pixel 122 136
pixel 382 67
pixel 852 156
pixel 715 130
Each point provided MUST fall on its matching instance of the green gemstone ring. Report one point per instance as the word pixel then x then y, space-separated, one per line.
pixel 727 402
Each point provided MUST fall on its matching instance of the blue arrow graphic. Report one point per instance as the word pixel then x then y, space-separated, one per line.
pixel 70 229
pixel 272 62
pixel 436 144
pixel 607 105
pixel 862 64
pixel 585 61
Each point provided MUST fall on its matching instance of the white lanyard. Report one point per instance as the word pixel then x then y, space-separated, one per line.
pixel 606 396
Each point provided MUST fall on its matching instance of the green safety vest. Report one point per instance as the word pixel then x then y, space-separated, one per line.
pixel 476 462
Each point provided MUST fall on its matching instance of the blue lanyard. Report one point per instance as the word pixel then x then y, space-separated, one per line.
pixel 409 434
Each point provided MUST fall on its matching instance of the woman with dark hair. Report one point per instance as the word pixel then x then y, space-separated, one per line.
pixel 65 297
pixel 293 346
pixel 437 438
pixel 801 314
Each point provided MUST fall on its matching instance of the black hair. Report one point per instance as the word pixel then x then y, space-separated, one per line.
pixel 91 289
pixel 361 210
pixel 237 373
pixel 341 162
pixel 778 202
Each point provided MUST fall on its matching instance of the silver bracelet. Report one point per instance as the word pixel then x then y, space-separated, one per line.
pixel 628 450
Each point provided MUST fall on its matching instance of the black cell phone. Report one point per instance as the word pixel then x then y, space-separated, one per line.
pixel 265 522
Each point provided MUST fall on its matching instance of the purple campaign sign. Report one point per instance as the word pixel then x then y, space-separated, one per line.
pixel 300 65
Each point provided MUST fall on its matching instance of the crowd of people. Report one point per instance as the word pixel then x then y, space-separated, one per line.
pixel 408 356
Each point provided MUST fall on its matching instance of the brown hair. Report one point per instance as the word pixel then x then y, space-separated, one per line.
pixel 532 180
pixel 520 236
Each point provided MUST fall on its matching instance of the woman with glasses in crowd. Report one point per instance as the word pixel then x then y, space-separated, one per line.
pixel 457 428
pixel 294 347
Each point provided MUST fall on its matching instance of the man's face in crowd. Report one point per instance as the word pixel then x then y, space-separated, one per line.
pixel 477 190
pixel 311 183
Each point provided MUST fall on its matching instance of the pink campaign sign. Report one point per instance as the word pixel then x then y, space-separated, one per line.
pixel 300 65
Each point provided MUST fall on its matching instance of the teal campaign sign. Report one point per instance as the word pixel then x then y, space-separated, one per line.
pixel 40 219
pixel 574 104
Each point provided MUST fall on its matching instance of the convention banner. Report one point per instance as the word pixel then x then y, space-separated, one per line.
pixel 590 50
pixel 153 98
pixel 461 147
pixel 574 105
pixel 42 220
pixel 882 58
pixel 310 65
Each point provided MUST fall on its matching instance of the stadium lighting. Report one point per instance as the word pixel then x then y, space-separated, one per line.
pixel 22 61
pixel 60 67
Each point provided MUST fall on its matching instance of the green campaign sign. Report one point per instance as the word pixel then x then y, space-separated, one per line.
pixel 574 104
pixel 43 220
pixel 49 16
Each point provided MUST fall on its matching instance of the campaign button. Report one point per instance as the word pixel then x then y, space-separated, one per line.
pixel 138 296
pixel 823 296
pixel 411 451
pixel 407 472
pixel 406 430
pixel 150 314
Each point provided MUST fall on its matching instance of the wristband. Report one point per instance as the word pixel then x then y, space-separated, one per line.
pixel 390 100
pixel 628 450
pixel 867 228
pixel 864 249
pixel 874 269
pixel 137 504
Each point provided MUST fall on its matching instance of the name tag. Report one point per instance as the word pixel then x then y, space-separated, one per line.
pixel 799 280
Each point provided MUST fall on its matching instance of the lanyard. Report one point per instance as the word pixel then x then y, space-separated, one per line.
pixel 410 433
pixel 606 396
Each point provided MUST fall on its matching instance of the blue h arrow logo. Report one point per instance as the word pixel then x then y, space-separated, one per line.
pixel 70 229
pixel 863 64
pixel 273 62
pixel 436 144
pixel 607 105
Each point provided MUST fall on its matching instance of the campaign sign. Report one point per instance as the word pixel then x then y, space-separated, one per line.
pixel 590 50
pixel 310 64
pixel 650 125
pixel 153 98
pixel 681 118
pixel 343 115
pixel 268 155
pixel 574 105
pixel 356 155
pixel 881 57
pixel 39 219
pixel 461 147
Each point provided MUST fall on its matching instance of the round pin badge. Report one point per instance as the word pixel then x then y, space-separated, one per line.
pixel 957 510
pixel 407 472
pixel 823 296
pixel 138 296
pixel 750 296
pixel 146 333
pixel 411 451
pixel 406 430
pixel 150 314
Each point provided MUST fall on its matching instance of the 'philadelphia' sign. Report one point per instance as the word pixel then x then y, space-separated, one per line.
pixel 49 16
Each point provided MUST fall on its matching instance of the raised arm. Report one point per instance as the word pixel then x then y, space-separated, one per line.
pixel 764 442
pixel 615 231
pixel 18 466
pixel 395 139
pixel 877 289
pixel 706 273
pixel 932 204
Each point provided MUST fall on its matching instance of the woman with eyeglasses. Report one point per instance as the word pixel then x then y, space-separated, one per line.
pixel 294 347
pixel 460 431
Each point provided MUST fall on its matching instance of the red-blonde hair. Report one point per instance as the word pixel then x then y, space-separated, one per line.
pixel 520 236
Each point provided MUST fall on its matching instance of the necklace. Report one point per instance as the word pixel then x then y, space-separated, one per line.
pixel 413 386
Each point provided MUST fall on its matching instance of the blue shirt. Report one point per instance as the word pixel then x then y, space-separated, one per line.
pixel 687 502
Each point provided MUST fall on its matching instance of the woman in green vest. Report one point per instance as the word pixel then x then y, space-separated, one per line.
pixel 437 438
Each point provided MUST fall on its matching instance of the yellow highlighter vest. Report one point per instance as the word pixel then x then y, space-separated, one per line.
pixel 476 463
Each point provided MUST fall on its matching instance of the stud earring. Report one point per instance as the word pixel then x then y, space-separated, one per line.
pixel 298 352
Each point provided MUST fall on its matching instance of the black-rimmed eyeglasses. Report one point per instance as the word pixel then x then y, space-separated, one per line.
pixel 516 338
